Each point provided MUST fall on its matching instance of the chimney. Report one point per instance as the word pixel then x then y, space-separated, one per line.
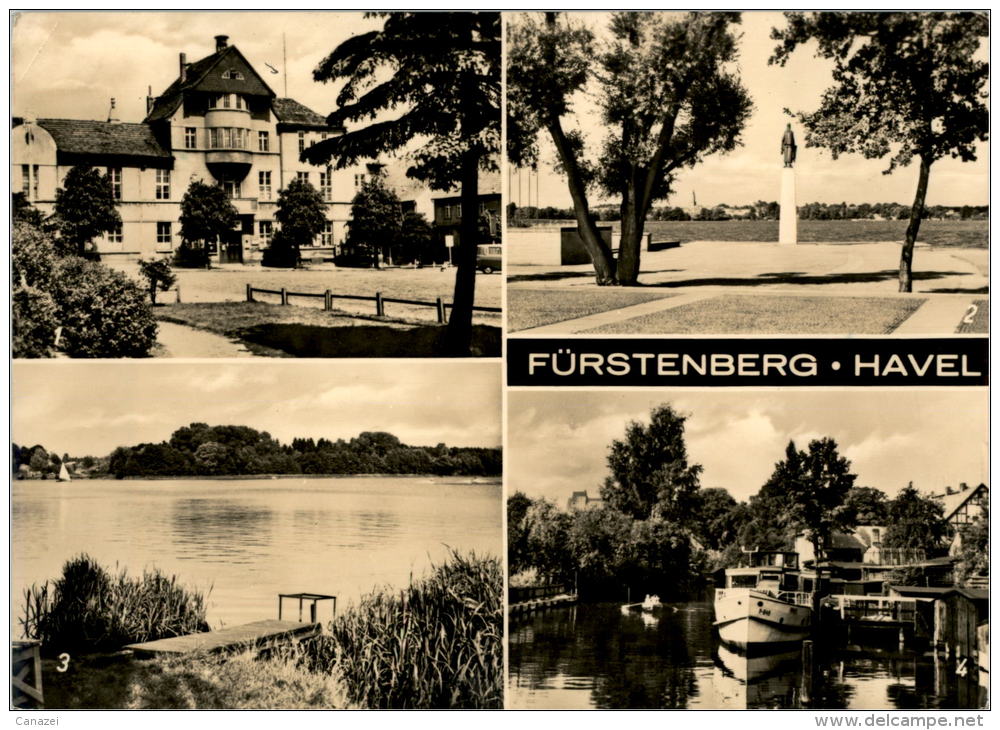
pixel 150 100
pixel 220 42
pixel 111 112
pixel 184 67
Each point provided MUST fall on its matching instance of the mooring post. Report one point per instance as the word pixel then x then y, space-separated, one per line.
pixel 807 671
pixel 440 310
pixel 328 300
pixel 178 293
pixel 284 296
pixel 312 613
pixel 379 305
pixel 249 292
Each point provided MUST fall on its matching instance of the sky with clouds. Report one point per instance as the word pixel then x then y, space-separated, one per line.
pixel 557 441
pixel 752 172
pixel 90 408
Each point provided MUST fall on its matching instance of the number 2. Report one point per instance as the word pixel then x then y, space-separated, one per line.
pixel 64 658
pixel 967 319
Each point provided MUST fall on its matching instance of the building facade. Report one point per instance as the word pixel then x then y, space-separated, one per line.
pixel 219 123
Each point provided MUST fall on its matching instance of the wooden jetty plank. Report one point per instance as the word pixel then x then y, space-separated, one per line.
pixel 251 634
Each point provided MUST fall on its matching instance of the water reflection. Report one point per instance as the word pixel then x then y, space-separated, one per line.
pixel 595 656
pixel 219 531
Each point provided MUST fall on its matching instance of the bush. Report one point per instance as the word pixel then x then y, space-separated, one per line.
pixel 355 259
pixel 158 276
pixel 89 610
pixel 436 644
pixel 192 257
pixel 103 313
pixel 32 257
pixel 282 253
pixel 33 323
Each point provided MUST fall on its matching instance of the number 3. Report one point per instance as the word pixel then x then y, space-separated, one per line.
pixel 64 658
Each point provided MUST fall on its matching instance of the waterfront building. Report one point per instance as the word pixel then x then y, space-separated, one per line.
pixel 963 505
pixel 219 122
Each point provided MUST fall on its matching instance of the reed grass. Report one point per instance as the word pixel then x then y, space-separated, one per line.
pixel 90 609
pixel 435 644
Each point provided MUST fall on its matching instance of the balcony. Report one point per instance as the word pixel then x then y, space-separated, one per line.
pixel 231 164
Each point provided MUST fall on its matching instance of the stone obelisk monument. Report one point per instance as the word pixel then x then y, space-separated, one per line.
pixel 788 232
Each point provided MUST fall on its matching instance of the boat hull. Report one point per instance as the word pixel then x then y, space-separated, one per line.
pixel 750 620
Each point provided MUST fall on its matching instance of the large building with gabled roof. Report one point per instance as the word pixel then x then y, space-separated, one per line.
pixel 219 122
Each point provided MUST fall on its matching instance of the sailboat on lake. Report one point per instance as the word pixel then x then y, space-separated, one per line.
pixel 63 474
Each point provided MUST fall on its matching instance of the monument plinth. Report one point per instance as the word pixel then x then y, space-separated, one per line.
pixel 788 228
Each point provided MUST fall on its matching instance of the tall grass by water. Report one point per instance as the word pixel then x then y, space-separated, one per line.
pixel 91 609
pixel 435 644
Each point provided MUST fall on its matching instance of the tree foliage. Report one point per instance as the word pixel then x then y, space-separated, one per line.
pixel 666 95
pixel 301 213
pixel 206 215
pixel 914 521
pixel 158 276
pixel 440 74
pixel 974 547
pixel 650 474
pixel 376 220
pixel 907 85
pixel 86 208
pixel 811 487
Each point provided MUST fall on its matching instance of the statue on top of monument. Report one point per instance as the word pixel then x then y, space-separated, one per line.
pixel 788 146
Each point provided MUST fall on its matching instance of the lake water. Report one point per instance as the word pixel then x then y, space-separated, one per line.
pixel 592 655
pixel 248 540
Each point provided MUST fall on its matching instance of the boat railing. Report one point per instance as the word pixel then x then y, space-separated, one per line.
pixel 799 598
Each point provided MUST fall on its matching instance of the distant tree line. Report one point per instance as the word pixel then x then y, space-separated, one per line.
pixel 203 450
pixel 760 210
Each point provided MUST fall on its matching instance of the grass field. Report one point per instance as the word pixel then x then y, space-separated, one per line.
pixel 529 308
pixel 761 314
pixel 959 234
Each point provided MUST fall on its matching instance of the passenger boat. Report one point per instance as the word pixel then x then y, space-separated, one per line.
pixel 762 605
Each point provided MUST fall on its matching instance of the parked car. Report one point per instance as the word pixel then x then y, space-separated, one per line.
pixel 489 257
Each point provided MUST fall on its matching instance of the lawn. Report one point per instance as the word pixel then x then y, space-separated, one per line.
pixel 979 322
pixel 761 314
pixel 960 234
pixel 527 308
pixel 280 331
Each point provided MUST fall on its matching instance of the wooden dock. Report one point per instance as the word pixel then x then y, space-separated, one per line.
pixel 256 634
pixel 540 604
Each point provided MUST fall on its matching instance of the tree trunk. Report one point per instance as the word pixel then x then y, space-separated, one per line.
pixel 600 253
pixel 458 339
pixel 629 247
pixel 916 215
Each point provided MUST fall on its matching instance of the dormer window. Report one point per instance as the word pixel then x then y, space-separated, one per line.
pixel 232 74
pixel 227 101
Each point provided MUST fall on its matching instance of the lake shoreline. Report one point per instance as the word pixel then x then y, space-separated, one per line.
pixel 269 477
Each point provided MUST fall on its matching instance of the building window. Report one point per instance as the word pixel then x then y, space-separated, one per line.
pixel 264 183
pixel 34 181
pixel 115 178
pixel 163 236
pixel 229 138
pixel 232 74
pixel 303 176
pixel 326 236
pixel 26 181
pixel 163 184
pixel 227 101
pixel 263 142
pixel 326 185
pixel 359 180
pixel 232 188
pixel 447 212
pixel 190 138
pixel 302 142
pixel 115 234
pixel 265 231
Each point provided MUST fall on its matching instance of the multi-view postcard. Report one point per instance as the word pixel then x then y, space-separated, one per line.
pixel 481 360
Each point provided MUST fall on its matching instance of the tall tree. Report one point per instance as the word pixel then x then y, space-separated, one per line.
pixel 666 97
pixel 814 484
pixel 376 220
pixel 301 213
pixel 906 84
pixel 650 474
pixel 206 214
pixel 442 70
pixel 86 208
pixel 915 521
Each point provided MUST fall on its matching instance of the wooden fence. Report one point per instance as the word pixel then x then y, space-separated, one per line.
pixel 380 301
pixel 26 674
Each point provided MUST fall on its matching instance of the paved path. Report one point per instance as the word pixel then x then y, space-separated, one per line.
pixel 592 321
pixel 936 317
pixel 177 340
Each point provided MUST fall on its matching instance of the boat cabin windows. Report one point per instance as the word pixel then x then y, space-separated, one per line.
pixel 742 581
pixel 768 559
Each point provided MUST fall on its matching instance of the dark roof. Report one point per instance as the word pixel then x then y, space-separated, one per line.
pixel 291 113
pixel 82 137
pixel 199 76
pixel 975 594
